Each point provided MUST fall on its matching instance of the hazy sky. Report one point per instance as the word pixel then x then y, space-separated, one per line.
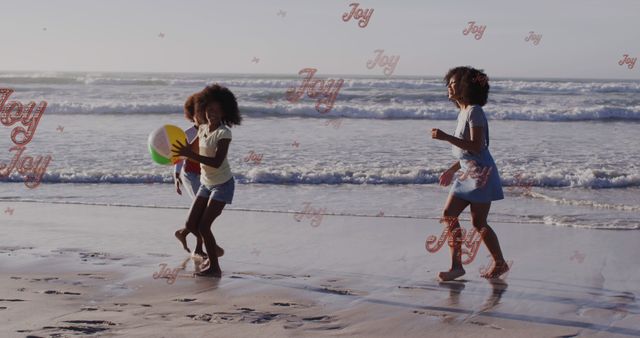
pixel 580 39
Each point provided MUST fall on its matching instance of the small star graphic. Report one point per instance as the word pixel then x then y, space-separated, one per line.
pixel 60 128
pixel 282 13
pixel 161 35
pixel 295 144
pixel 8 211
pixel 255 60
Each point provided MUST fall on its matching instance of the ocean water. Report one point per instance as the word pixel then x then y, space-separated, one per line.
pixel 567 150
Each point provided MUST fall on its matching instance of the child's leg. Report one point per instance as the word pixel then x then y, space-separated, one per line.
pixel 479 213
pixel 452 210
pixel 214 209
pixel 191 184
pixel 195 214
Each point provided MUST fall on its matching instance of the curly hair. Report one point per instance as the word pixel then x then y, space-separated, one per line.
pixel 473 84
pixel 228 103
pixel 190 107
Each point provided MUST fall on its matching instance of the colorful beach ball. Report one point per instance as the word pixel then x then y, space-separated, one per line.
pixel 161 141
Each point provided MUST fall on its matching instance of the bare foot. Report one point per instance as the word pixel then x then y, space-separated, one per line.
pixel 204 265
pixel 199 255
pixel 497 270
pixel 451 274
pixel 182 237
pixel 210 273
pixel 203 255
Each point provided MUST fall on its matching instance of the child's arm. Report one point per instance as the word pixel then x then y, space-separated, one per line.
pixel 222 148
pixel 455 167
pixel 447 176
pixel 475 145
pixel 178 167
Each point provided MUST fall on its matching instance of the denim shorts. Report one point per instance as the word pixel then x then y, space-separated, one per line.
pixel 220 192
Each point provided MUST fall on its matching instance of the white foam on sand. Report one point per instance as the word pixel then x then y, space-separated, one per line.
pixel 315 275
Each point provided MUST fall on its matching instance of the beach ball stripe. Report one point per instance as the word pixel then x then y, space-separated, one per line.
pixel 161 141
pixel 158 158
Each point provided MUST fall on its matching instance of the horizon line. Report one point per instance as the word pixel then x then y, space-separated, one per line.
pixel 327 74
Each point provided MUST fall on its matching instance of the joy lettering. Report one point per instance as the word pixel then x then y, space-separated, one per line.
pixel 389 63
pixel 358 13
pixel 473 29
pixel 481 175
pixel 14 111
pixel 457 235
pixel 309 212
pixel 253 157
pixel 629 61
pixel 327 89
pixel 31 169
pixel 535 38
pixel 29 116
pixel 170 274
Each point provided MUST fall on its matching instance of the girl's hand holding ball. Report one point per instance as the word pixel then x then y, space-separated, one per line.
pixel 182 149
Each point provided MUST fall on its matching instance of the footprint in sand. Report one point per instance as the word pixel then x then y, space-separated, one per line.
pixel 56 292
pixel 89 309
pixel 86 327
pixel 486 324
pixel 46 279
pixel 290 305
pixel 185 300
pixel 337 291
pixel 318 319
pixel 243 315
pixel 249 315
pixel 86 256
pixel 283 304
pixel 9 249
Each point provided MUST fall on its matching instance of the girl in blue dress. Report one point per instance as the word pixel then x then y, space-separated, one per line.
pixel 480 184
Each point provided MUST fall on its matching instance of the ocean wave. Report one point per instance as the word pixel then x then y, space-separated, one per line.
pixel 360 97
pixel 413 110
pixel 511 182
pixel 285 81
pixel 576 222
pixel 587 203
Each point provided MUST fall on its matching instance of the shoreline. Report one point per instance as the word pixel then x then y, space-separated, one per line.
pixel 362 276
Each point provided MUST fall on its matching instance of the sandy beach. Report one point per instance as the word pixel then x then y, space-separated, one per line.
pixel 76 270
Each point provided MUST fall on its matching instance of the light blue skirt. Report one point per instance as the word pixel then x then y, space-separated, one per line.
pixel 478 180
